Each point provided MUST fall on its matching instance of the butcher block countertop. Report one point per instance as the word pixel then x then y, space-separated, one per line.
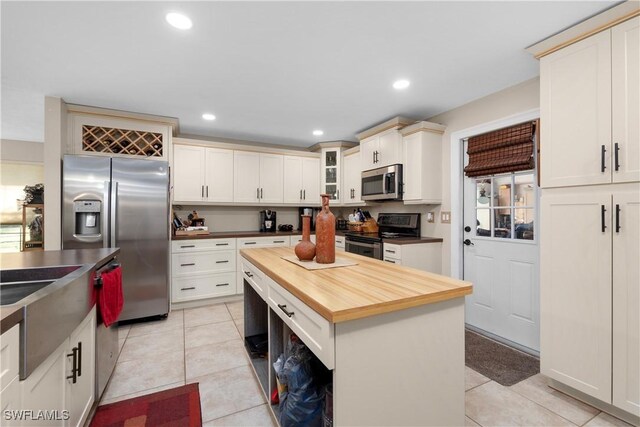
pixel 347 293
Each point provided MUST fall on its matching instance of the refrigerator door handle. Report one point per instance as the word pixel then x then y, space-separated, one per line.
pixel 114 212
pixel 106 208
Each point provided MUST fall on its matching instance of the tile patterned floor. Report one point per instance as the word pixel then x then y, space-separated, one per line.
pixel 204 345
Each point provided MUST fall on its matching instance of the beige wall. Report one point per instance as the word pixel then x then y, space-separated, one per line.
pixel 21 151
pixel 513 100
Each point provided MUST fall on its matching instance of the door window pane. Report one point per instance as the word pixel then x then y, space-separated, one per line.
pixel 524 226
pixel 483 222
pixel 524 191
pixel 502 223
pixel 483 193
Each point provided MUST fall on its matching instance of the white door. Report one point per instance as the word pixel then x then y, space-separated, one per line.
pixel 311 181
pixel 246 176
pixel 293 179
pixel 271 178
pixel 188 173
pixel 501 256
pixel 626 300
pixel 219 175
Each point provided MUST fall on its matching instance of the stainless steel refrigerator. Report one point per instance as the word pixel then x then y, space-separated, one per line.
pixel 124 203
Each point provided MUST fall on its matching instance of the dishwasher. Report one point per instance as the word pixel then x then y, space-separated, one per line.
pixel 107 348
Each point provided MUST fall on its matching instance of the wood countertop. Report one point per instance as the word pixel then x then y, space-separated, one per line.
pixel 347 293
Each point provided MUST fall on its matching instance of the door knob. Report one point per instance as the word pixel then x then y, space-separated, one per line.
pixel 467 229
pixel 468 242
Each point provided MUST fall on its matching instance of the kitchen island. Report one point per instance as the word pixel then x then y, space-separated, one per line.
pixel 392 337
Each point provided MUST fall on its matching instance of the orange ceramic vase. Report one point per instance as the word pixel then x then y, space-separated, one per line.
pixel 325 234
pixel 305 250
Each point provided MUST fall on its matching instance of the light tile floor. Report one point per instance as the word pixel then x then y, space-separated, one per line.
pixel 204 345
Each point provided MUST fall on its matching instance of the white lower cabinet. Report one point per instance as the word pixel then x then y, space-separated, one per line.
pixel 340 243
pixel 257 242
pixel 423 256
pixel 202 268
pixel 590 291
pixel 64 384
pixel 298 238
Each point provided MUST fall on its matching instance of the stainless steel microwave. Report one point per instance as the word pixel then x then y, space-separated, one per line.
pixel 382 183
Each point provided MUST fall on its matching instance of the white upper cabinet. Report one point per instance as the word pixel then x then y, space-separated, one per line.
pixel 380 150
pixel 202 174
pixel 352 179
pixel 188 173
pixel 625 57
pixel 271 178
pixel 301 180
pixel 219 175
pixel 589 97
pixel 422 163
pixel 258 177
pixel 246 176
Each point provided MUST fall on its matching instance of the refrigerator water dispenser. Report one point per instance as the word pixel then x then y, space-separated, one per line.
pixel 87 217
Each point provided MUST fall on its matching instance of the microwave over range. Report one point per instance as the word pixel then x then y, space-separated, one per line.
pixel 382 183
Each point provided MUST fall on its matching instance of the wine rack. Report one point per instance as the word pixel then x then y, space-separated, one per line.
pixel 101 139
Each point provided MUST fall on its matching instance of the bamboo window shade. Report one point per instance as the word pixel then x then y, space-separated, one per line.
pixel 501 151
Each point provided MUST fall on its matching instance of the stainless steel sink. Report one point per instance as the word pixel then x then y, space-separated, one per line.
pixel 54 301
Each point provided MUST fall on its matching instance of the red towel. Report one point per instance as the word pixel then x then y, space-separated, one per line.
pixel 110 299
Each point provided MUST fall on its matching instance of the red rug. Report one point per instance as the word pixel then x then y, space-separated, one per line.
pixel 178 406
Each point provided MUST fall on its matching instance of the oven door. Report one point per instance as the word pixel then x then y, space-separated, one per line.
pixel 371 250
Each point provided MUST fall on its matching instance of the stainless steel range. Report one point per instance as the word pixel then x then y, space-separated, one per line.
pixel 391 225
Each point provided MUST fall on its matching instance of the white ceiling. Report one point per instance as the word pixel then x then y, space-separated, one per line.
pixel 269 71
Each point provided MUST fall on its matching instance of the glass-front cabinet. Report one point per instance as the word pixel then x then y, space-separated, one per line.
pixel 32 227
pixel 331 173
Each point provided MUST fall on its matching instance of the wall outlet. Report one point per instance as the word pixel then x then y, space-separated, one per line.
pixel 431 217
pixel 445 217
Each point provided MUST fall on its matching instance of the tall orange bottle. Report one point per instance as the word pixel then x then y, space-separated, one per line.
pixel 325 234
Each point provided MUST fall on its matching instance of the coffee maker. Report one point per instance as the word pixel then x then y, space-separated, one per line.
pixel 267 220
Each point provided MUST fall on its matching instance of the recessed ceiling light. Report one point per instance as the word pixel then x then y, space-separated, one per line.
pixel 401 84
pixel 318 132
pixel 208 116
pixel 179 20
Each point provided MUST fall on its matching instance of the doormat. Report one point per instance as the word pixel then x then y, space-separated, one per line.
pixel 178 406
pixel 501 363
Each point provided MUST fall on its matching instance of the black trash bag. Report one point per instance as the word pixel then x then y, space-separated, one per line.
pixel 301 404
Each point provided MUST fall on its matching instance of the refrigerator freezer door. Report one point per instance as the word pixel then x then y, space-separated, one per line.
pixel 85 187
pixel 140 202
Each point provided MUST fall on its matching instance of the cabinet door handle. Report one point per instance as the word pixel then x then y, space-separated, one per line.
pixel 222 244
pixel 390 251
pixel 187 264
pixel 248 273
pixel 207 191
pixel 202 191
pixel 222 262
pixel 249 243
pixel 261 196
pixel 616 160
pixel 388 260
pixel 283 307
pixel 618 218
pixel 187 246
pixel 337 194
pixel 257 193
pixel 603 226
pixel 79 368
pixel 188 289
pixel 222 284
pixel 278 241
pixel 602 165
pixel 300 194
pixel 304 194
pixel 74 354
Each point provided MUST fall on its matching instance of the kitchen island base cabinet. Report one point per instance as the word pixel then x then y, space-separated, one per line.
pixel 404 367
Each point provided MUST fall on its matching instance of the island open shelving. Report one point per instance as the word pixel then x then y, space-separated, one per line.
pixel 391 338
